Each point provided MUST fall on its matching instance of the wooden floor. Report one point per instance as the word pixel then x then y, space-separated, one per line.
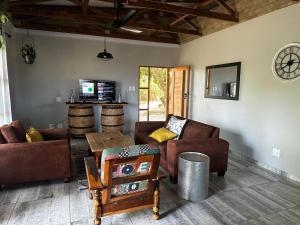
pixel 247 195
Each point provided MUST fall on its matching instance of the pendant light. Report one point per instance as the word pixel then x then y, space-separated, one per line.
pixel 105 56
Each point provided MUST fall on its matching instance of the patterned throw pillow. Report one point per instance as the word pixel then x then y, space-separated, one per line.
pixel 176 126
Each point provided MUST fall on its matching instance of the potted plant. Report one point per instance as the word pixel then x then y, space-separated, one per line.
pixel 3 19
pixel 28 53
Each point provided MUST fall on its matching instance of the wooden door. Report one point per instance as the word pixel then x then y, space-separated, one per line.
pixel 179 83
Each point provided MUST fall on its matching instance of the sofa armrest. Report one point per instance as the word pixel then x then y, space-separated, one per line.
pixel 55 134
pixel 210 146
pixel 22 162
pixel 148 127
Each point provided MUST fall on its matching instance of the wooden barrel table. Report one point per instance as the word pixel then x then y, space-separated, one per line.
pixel 81 120
pixel 112 118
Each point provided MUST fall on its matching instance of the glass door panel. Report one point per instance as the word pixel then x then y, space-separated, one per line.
pixel 157 92
pixel 152 93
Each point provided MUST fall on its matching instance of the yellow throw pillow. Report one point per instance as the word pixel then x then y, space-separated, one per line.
pixel 33 135
pixel 162 135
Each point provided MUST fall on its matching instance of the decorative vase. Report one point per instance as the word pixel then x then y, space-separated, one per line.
pixel 119 98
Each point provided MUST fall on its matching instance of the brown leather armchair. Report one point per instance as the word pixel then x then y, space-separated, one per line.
pixel 196 137
pixel 36 161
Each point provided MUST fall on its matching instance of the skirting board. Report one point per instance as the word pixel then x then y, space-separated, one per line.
pixel 267 167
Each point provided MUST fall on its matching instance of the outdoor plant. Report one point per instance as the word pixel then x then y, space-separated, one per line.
pixel 3 19
pixel 28 53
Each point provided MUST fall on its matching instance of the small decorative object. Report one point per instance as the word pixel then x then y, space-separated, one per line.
pixel 72 96
pixel 119 98
pixel 232 89
pixel 28 49
pixel 286 63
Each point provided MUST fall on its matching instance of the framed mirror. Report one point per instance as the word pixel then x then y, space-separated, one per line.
pixel 223 81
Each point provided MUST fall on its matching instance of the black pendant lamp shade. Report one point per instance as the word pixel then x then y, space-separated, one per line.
pixel 105 55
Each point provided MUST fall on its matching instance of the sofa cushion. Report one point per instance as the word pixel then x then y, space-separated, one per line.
pixel 145 139
pixel 162 135
pixel 19 130
pixel 33 135
pixel 176 125
pixel 194 129
pixel 2 139
pixel 9 134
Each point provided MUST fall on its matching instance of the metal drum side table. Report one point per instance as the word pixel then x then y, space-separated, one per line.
pixel 193 176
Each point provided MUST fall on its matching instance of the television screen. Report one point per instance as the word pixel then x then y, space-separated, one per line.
pixel 97 90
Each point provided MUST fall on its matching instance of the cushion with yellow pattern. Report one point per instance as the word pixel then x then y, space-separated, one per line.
pixel 33 135
pixel 162 135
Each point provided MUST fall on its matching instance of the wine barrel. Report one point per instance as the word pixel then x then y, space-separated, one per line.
pixel 112 118
pixel 81 120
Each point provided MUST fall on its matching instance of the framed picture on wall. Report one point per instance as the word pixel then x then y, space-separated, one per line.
pixel 223 81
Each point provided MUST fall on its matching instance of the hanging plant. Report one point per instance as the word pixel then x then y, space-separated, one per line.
pixel 4 18
pixel 28 53
pixel 28 50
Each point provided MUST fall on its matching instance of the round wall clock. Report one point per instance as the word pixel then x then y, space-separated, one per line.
pixel 286 63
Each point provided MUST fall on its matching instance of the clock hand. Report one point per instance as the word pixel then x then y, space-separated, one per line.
pixel 285 66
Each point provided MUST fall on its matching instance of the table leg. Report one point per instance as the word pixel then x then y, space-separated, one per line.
pixel 98 160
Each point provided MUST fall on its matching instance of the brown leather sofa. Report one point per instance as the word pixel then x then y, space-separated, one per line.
pixel 36 161
pixel 196 137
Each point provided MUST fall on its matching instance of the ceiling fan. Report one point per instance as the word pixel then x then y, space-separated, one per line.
pixel 120 22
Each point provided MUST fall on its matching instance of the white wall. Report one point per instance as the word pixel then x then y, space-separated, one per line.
pixel 268 112
pixel 63 59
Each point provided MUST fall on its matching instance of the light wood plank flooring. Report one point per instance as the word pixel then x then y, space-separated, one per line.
pixel 247 195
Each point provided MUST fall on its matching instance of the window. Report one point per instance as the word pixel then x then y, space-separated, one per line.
pixel 5 109
pixel 152 93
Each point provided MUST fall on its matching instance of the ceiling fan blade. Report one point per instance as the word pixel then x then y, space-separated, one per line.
pixel 131 30
pixel 120 22
pixel 129 15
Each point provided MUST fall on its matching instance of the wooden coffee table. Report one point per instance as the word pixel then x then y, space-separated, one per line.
pixel 99 141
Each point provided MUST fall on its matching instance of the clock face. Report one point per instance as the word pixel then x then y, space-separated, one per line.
pixel 286 63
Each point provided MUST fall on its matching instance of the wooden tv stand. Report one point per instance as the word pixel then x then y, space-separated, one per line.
pixel 81 117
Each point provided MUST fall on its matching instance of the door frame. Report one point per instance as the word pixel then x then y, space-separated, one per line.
pixel 185 90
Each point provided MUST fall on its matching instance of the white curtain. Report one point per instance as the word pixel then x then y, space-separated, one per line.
pixel 5 107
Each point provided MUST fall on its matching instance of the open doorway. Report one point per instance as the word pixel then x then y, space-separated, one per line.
pixel 163 90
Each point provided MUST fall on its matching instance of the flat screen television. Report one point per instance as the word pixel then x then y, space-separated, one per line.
pixel 97 90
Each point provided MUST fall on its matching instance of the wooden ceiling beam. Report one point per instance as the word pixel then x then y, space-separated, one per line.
pixel 226 6
pixel 46 12
pixel 95 31
pixel 85 6
pixel 27 2
pixel 178 9
pixel 188 21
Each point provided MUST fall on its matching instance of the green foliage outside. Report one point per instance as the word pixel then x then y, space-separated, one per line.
pixel 158 84
pixel 3 18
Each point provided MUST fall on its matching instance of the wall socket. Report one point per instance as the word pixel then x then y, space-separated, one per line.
pixel 276 152
pixel 131 88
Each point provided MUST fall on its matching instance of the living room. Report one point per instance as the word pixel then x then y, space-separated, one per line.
pixel 249 134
